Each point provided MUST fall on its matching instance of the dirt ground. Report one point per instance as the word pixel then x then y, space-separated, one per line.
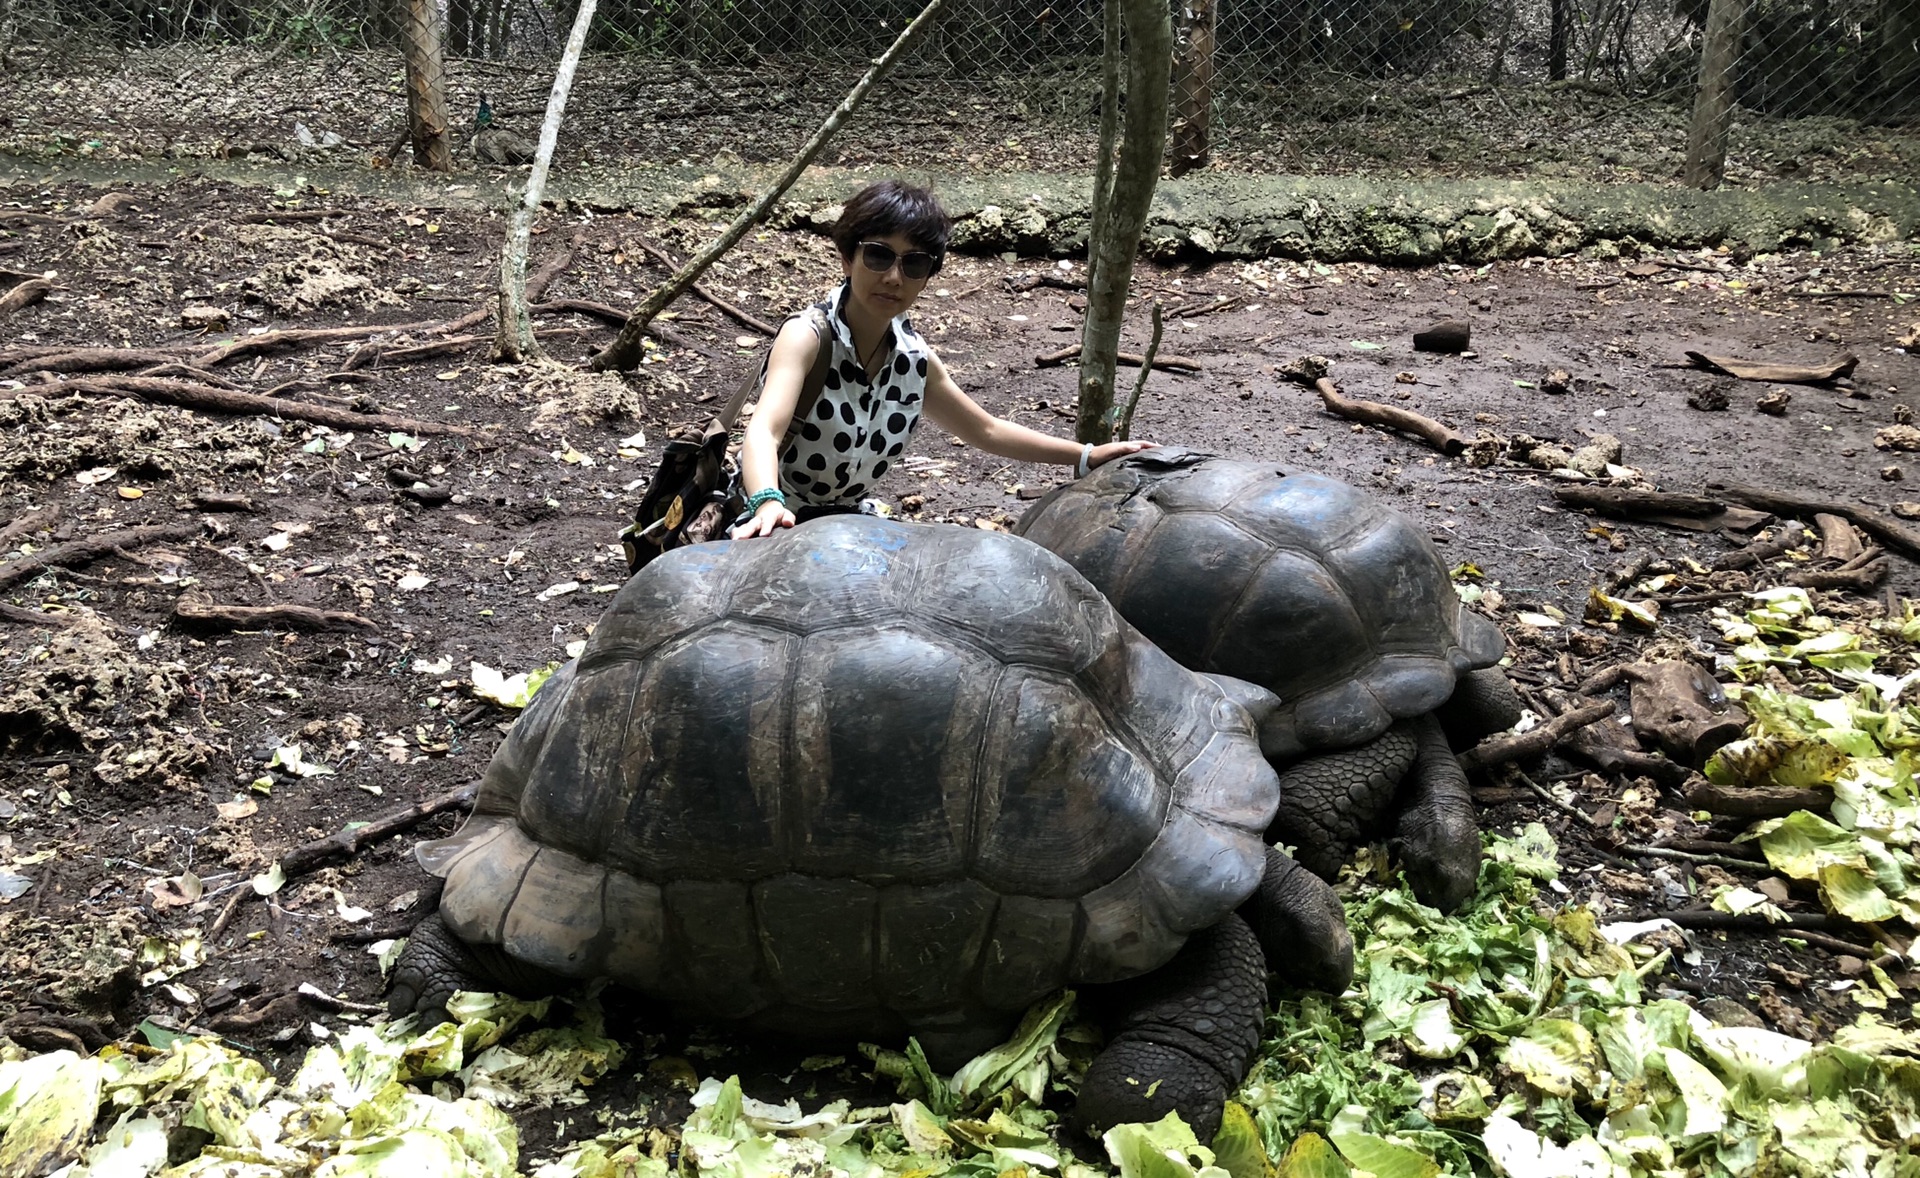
pixel 136 795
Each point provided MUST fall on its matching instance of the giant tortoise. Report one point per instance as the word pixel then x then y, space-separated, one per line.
pixel 865 778
pixel 1334 602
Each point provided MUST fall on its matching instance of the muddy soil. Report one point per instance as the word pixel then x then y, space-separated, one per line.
pixel 138 793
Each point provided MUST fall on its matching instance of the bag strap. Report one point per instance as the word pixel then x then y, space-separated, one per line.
pixel 810 388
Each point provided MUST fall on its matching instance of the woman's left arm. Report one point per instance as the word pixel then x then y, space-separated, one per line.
pixel 962 416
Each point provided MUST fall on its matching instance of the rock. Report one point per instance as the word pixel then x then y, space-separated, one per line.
pixel 1891 474
pixel 1709 400
pixel 204 318
pixel 1558 382
pixel 1897 437
pixel 1592 459
pixel 1774 404
pixel 1449 336
pixel 1548 457
pixel 1907 509
pixel 1587 643
pixel 1903 415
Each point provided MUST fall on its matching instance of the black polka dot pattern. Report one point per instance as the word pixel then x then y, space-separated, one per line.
pixel 859 427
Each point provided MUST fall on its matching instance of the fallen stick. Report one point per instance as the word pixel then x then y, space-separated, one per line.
pixel 34 617
pixel 272 341
pixel 1219 304
pixel 1859 580
pixel 26 294
pixel 1713 918
pixel 92 548
pixel 1391 417
pixel 1695 857
pixel 187 372
pixel 200 610
pixel 1131 359
pixel 216 400
pixel 34 521
pixel 353 839
pixel 1760 551
pixel 1695 513
pixel 90 360
pixel 1776 373
pixel 326 1001
pixel 1682 600
pixel 1603 680
pixel 1880 527
pixel 1501 749
pixel 661 256
pixel 1749 851
pixel 1756 801
pixel 1838 540
pixel 604 312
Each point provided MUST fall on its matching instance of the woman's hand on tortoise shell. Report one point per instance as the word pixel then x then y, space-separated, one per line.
pixel 765 521
pixel 1104 454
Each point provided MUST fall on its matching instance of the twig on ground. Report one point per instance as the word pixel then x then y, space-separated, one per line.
pixel 1392 417
pixel 1694 857
pixel 1883 528
pixel 217 400
pixel 201 610
pixel 1501 749
pixel 92 548
pixel 1132 359
pixel 661 256
pixel 24 295
pixel 352 840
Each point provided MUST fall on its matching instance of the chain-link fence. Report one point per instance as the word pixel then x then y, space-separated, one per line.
pixel 1589 87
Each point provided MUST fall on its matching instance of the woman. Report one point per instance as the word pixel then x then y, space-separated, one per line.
pixel 880 377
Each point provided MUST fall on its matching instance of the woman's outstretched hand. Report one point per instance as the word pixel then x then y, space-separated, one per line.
pixel 771 516
pixel 1104 454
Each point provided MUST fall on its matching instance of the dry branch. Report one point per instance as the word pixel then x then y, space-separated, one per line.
pixel 34 617
pixel 26 294
pixel 202 610
pixel 1838 540
pixel 92 548
pixel 1501 749
pixel 1390 417
pixel 87 360
pixel 1858 580
pixel 33 521
pixel 352 840
pixel 661 256
pixel 1882 528
pixel 273 341
pixel 1755 801
pixel 1130 359
pixel 204 397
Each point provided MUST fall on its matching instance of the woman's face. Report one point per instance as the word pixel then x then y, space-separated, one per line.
pixel 890 293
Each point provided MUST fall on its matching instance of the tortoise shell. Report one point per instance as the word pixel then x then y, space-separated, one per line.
pixel 860 777
pixel 1291 580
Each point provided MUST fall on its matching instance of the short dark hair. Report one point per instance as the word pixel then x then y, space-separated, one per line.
pixel 886 207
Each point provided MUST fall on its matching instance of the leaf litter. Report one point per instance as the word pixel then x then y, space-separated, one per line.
pixel 1516 1038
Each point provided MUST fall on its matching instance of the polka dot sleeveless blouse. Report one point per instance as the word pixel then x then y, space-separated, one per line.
pixel 859 427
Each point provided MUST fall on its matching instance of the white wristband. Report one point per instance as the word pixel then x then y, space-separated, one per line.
pixel 1082 468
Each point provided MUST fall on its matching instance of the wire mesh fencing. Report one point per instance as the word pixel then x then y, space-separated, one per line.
pixel 1598 88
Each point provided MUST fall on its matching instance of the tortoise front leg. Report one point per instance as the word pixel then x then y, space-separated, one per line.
pixel 1331 802
pixel 1183 1038
pixel 436 965
pixel 1301 927
pixel 1437 832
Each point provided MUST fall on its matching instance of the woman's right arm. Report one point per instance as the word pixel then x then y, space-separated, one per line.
pixel 793 352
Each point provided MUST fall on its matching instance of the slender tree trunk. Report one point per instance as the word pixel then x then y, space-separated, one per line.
pixel 1149 34
pixel 1713 101
pixel 426 106
pixel 1192 89
pixel 1559 33
pixel 624 352
pixel 1896 59
pixel 513 335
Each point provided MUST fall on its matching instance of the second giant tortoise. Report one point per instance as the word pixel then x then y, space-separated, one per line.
pixel 873 779
pixel 1331 600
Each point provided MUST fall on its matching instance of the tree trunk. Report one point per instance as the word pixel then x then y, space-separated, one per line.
pixel 426 107
pixel 625 351
pixel 513 335
pixel 1192 89
pixel 1897 59
pixel 1123 208
pixel 1560 32
pixel 1713 102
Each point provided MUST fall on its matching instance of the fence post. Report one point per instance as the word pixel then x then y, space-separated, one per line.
pixel 1192 89
pixel 1713 101
pixel 426 106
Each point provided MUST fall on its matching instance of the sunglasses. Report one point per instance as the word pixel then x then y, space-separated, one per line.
pixel 880 257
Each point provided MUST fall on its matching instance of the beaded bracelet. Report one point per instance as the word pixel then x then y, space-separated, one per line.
pixel 770 495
